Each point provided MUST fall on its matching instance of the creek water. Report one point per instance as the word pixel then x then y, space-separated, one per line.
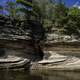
pixel 39 75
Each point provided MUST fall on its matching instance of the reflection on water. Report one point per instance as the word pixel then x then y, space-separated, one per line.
pixel 39 75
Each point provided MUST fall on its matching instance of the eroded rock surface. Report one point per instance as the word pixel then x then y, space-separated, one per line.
pixel 18 40
pixel 56 61
pixel 14 62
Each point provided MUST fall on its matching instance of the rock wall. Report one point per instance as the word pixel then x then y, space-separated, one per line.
pixel 19 41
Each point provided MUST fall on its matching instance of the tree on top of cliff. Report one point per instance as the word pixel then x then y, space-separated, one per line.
pixel 1 9
pixel 26 7
pixel 10 8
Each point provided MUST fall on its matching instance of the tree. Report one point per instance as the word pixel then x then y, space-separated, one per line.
pixel 10 7
pixel 74 11
pixel 44 8
pixel 1 9
pixel 72 27
pixel 27 7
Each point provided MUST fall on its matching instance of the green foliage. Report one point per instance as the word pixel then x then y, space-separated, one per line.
pixel 44 12
pixel 24 2
pixel 72 26
pixel 60 10
pixel 1 9
pixel 27 4
pixel 67 20
pixel 74 11
pixel 48 24
pixel 10 7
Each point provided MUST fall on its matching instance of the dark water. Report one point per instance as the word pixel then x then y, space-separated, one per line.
pixel 39 75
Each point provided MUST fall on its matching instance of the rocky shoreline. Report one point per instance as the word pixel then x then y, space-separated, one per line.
pixel 56 61
pixel 24 45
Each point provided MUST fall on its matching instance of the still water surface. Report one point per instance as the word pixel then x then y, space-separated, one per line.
pixel 39 75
